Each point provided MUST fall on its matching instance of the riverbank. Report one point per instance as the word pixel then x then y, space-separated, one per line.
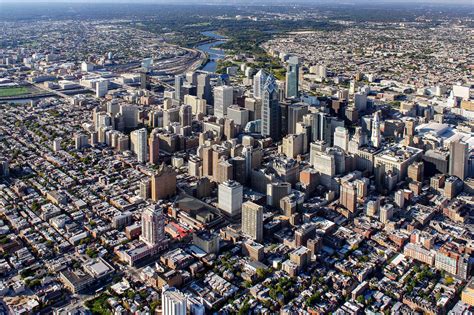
pixel 211 50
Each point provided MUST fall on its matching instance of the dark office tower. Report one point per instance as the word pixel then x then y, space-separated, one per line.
pixel 284 119
pixel 185 115
pixel 458 159
pixel 271 126
pixel 178 87
pixel 292 77
pixel 144 81
pixel 204 87
pixel 295 115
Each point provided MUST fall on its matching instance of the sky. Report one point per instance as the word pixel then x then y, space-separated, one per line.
pixel 243 1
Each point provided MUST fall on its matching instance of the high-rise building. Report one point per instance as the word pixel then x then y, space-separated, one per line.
pixel 204 87
pixel 270 110
pixel 458 159
pixel 295 114
pixel 341 138
pixel 230 196
pixel 252 220
pixel 153 226
pixel 185 115
pixel 163 183
pixel 101 88
pixel 292 77
pixel 154 145
pixel 178 87
pixel 376 138
pixel 223 98
pixel 258 83
pixel 138 140
pixel 173 301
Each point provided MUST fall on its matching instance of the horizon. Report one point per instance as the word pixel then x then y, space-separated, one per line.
pixel 242 2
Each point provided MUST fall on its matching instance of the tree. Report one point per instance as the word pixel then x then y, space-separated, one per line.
pixel 360 299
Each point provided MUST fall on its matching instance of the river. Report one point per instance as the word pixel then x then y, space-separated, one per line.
pixel 210 49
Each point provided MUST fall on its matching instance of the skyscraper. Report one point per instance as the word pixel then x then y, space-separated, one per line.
pixel 270 110
pixel 163 183
pixel 258 83
pixel 341 138
pixel 138 139
pixel 295 114
pixel 252 220
pixel 458 158
pixel 178 87
pixel 230 196
pixel 153 226
pixel 376 138
pixel 185 115
pixel 223 98
pixel 154 145
pixel 204 87
pixel 173 301
pixel 292 77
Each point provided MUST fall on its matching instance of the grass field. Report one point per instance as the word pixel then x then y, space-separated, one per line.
pixel 14 91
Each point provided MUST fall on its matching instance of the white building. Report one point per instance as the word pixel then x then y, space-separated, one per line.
pixel 138 139
pixel 230 196
pixel 223 98
pixel 173 301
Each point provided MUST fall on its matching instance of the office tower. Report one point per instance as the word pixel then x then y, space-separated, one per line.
pixel 178 87
pixel 204 90
pixel 223 98
pixel 295 114
pixel 252 220
pixel 341 138
pixel 154 145
pixel 238 114
pixel 458 158
pixel 230 196
pixel 192 77
pixel 399 198
pixel 185 115
pixel 153 226
pixel 254 106
pixel 101 88
pixel 163 183
pixel 276 191
pixel 173 301
pixel 229 129
pixel 292 78
pixel 293 145
pixel 360 101
pixel 258 83
pixel 138 140
pixel 130 115
pixel 239 167
pixel 358 139
pixel 270 110
pixel 376 138
pixel 170 116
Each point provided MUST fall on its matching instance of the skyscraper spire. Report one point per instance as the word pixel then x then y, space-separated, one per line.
pixel 376 138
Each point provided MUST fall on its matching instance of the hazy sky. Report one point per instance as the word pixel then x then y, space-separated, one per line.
pixel 243 1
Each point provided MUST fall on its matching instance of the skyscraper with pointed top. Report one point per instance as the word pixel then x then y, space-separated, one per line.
pixel 376 137
pixel 270 109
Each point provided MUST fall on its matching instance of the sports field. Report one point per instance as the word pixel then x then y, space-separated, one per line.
pixel 14 91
